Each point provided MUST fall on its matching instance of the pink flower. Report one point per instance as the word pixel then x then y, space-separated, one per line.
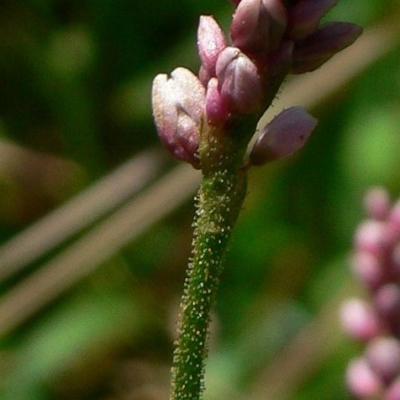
pixel 210 42
pixel 361 379
pixel 178 107
pixel 313 51
pixel 258 25
pixel 283 136
pixel 239 81
pixel 217 109
pixel 305 15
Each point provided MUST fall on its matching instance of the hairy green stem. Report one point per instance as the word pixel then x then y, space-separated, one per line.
pixel 219 201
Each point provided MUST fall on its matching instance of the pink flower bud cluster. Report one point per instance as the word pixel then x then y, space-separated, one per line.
pixel 376 320
pixel 240 76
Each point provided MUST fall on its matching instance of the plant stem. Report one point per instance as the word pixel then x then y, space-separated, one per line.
pixel 219 201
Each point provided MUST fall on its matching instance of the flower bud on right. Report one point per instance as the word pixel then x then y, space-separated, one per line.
pixel 393 392
pixel 362 381
pixel 360 320
pixel 377 203
pixel 313 51
pixel 283 136
pixel 383 355
pixel 276 67
pixel 305 15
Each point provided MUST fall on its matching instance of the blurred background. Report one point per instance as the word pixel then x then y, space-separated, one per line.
pixel 95 218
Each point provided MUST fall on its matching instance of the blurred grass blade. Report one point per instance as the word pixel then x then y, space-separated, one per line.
pixel 97 246
pixel 78 213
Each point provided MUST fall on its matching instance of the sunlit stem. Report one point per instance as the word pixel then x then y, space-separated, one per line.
pixel 219 201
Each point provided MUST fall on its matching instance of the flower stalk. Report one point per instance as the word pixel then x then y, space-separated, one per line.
pixel 219 202
pixel 208 120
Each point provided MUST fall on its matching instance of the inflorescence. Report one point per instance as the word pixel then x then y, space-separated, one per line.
pixel 268 40
pixel 375 321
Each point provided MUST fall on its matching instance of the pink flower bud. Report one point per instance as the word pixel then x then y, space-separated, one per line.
pixel 278 61
pixel 210 41
pixel 238 81
pixel 203 75
pixel 377 203
pixel 216 107
pixel 371 237
pixel 393 391
pixel 360 320
pixel 277 65
pixel 368 269
pixel 361 380
pixel 387 302
pixel 395 258
pixel 313 51
pixel 178 107
pixel 283 136
pixel 305 15
pixel 394 217
pixel 383 355
pixel 258 25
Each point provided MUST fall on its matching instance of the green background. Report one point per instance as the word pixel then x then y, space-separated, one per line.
pixel 75 79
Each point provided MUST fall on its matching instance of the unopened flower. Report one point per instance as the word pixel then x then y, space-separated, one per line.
pixel 178 107
pixel 283 136
pixel 278 61
pixel 377 203
pixel 394 217
pixel 362 381
pixel 258 25
pixel 383 355
pixel 366 267
pixel 313 51
pixel 217 110
pixel 393 391
pixel 277 65
pixel 360 320
pixel 210 42
pixel 387 303
pixel 239 81
pixel 371 236
pixel 305 15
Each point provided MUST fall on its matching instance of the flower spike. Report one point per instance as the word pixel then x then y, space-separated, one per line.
pixel 208 120
pixel 376 320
